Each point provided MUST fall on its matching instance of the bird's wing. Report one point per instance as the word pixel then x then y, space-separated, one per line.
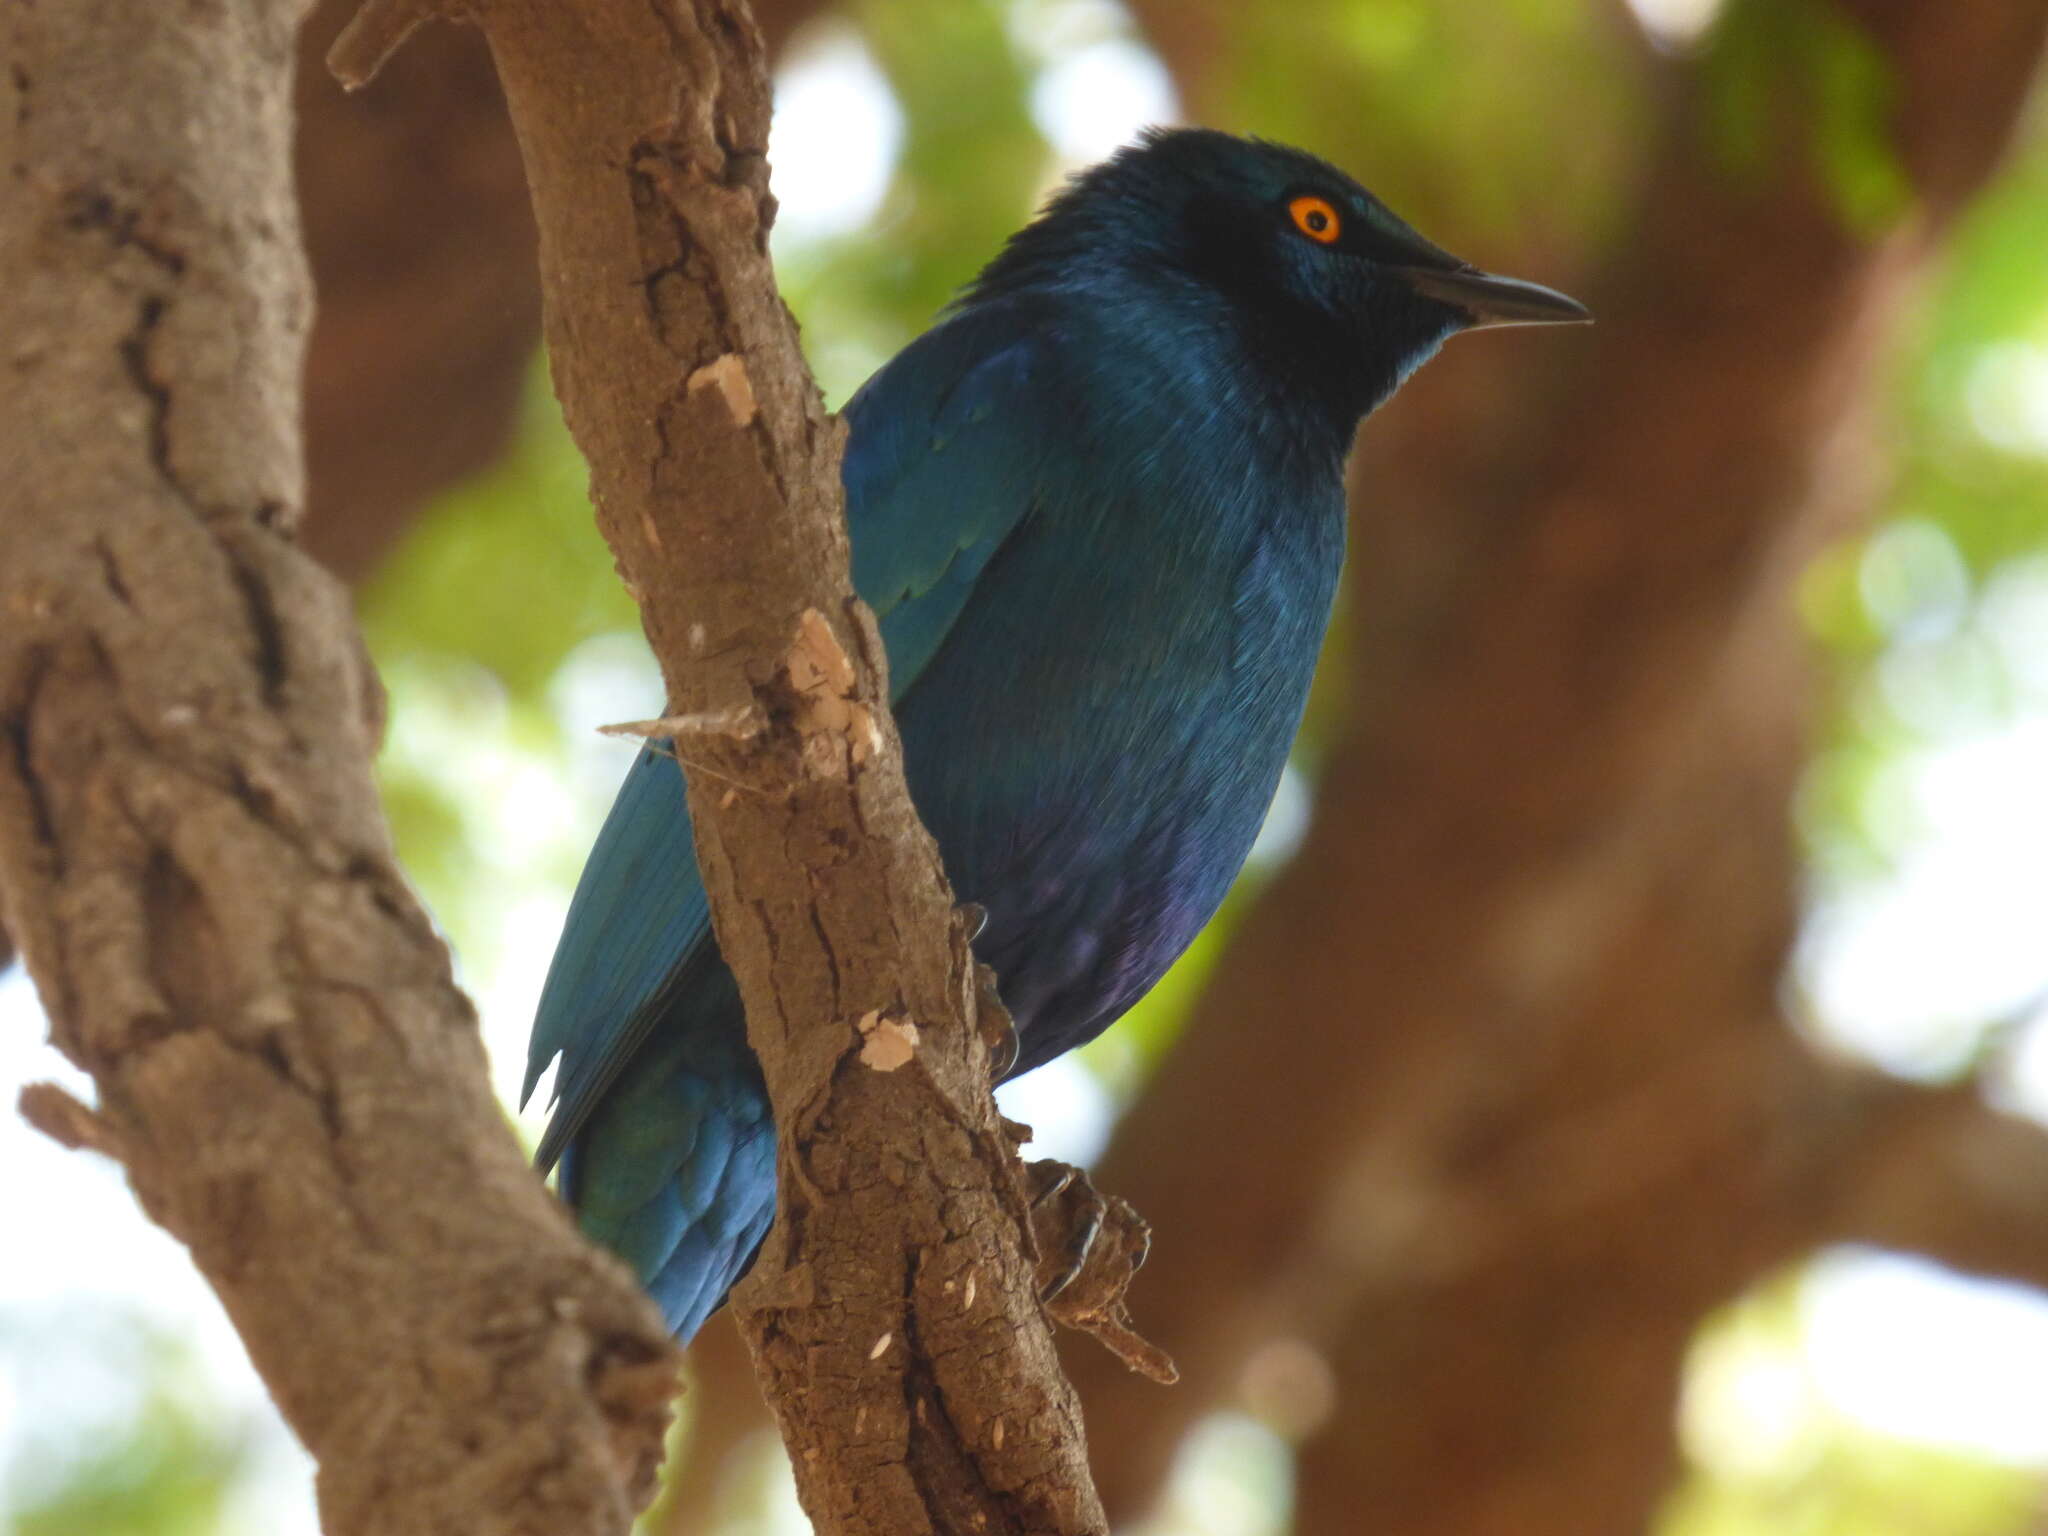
pixel 941 467
pixel 935 482
pixel 638 913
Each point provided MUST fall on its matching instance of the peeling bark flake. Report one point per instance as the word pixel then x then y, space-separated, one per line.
pixel 728 375
pixel 886 1044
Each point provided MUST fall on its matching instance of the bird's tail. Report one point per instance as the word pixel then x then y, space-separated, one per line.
pixel 675 1171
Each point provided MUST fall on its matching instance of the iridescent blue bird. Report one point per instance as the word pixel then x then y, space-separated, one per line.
pixel 1099 511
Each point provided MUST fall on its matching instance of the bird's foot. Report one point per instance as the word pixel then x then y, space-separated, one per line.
pixel 1089 1246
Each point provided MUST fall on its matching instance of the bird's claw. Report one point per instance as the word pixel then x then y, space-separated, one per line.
pixel 1082 1232
pixel 998 1029
pixel 1003 1051
pixel 972 917
pixel 1090 1245
pixel 1066 1228
pixel 1050 1180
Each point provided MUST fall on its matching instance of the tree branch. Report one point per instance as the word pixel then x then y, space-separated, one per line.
pixel 892 1313
pixel 1940 1172
pixel 191 853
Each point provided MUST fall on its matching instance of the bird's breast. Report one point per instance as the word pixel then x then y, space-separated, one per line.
pixel 1096 747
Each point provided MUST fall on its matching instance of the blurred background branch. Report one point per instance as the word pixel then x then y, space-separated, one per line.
pixel 421 236
pixel 1648 932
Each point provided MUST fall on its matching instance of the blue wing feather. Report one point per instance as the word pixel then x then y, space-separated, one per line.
pixel 936 479
pixel 677 1173
pixel 639 913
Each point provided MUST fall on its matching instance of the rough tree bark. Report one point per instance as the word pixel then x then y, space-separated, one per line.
pixel 892 1313
pixel 1492 1101
pixel 191 854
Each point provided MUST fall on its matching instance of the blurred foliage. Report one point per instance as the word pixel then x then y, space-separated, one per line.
pixel 1863 1484
pixel 505 572
pixel 1770 1454
pixel 1432 106
pixel 1916 609
pixel 1802 66
pixel 1515 132
pixel 971 155
pixel 471 624
pixel 158 1460
pixel 971 162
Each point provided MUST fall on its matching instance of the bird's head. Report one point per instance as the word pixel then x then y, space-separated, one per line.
pixel 1319 285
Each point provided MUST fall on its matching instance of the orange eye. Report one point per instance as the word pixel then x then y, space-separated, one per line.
pixel 1314 217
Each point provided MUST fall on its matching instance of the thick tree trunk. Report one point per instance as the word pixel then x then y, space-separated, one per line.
pixel 1491 1101
pixel 191 853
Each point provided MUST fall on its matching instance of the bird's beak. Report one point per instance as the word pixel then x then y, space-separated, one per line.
pixel 1490 300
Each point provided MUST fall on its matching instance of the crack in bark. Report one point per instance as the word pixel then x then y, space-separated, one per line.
pixel 36 666
pixel 831 959
pixel 939 1459
pixel 88 208
pixel 111 569
pixel 135 354
pixel 264 624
